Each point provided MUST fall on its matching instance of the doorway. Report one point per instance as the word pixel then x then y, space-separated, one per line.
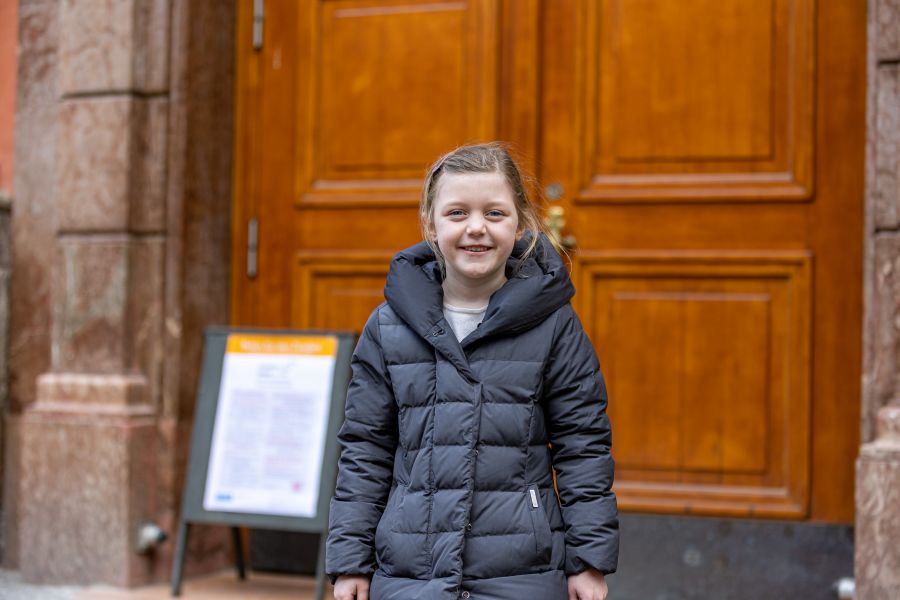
pixel 706 157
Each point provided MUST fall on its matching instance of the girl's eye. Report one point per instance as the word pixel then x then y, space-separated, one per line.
pixel 495 213
pixel 455 213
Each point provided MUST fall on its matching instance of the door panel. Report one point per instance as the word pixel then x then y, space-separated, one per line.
pixel 692 173
pixel 336 291
pixel 681 106
pixel 697 100
pixel 708 156
pixel 707 359
pixel 391 85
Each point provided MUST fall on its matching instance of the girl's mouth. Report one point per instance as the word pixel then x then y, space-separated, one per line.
pixel 476 248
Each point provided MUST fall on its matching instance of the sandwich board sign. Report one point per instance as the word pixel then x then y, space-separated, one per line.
pixel 264 446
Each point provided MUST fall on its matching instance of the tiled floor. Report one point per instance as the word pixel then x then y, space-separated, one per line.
pixel 220 586
pixel 257 586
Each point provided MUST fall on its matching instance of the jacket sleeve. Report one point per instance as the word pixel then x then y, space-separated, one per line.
pixel 368 439
pixel 580 437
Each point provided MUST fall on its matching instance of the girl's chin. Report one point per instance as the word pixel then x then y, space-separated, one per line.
pixel 476 274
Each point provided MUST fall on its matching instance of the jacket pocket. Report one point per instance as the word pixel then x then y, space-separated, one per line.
pixel 543 539
pixel 385 531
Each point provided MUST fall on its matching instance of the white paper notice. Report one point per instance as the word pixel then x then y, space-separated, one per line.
pixel 269 434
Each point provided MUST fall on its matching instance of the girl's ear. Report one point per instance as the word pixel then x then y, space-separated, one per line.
pixel 430 232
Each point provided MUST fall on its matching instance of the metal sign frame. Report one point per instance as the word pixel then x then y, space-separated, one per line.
pixel 192 510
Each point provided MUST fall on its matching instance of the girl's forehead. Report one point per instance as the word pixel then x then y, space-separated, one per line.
pixel 456 185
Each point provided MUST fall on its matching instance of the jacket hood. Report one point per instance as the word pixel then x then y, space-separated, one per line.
pixel 535 288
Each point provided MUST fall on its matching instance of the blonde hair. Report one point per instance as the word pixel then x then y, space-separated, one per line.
pixel 492 157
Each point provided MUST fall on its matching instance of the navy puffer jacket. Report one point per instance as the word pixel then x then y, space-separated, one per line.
pixel 445 487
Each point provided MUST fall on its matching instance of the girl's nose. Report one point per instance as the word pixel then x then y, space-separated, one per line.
pixel 475 226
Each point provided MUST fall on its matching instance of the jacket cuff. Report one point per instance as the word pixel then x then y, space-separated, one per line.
pixel 350 548
pixel 592 536
pixel 575 565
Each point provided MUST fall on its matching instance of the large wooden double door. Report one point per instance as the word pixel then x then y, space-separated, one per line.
pixel 708 155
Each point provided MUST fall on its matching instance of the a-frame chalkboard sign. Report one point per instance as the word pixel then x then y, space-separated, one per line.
pixel 264 446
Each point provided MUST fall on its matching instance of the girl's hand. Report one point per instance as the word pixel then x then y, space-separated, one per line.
pixel 588 585
pixel 351 587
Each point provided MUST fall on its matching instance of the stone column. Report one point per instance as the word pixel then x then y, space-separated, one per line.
pixel 89 441
pixel 878 466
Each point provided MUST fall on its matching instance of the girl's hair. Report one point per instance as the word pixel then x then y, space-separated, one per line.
pixel 493 157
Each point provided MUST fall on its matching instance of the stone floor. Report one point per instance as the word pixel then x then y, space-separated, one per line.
pixel 662 558
pixel 220 586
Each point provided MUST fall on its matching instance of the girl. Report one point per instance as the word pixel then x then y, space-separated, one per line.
pixel 474 364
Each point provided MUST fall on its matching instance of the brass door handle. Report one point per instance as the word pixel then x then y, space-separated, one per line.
pixel 555 221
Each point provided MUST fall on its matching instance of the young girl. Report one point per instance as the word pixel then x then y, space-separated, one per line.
pixel 474 364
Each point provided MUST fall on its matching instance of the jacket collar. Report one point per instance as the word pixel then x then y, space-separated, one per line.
pixel 536 287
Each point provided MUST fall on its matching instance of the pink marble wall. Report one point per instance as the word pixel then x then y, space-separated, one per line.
pixel 197 267
pixel 5 256
pixel 878 511
pixel 121 226
pixel 33 236
pixel 34 225
pixel 76 485
pixel 878 466
pixel 114 46
pixel 89 468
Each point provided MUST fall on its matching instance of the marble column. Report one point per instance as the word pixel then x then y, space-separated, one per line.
pixel 877 569
pixel 878 511
pixel 89 440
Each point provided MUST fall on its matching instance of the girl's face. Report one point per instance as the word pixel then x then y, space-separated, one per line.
pixel 475 225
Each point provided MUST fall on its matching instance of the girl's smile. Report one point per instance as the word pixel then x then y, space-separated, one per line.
pixel 475 227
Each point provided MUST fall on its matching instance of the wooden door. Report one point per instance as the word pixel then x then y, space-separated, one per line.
pixel 708 155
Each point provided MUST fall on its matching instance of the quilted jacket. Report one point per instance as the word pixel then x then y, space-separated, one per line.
pixel 445 488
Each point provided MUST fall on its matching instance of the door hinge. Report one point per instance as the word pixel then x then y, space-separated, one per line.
pixel 252 244
pixel 259 15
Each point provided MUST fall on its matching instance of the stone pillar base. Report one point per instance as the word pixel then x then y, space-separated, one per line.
pixel 878 511
pixel 88 467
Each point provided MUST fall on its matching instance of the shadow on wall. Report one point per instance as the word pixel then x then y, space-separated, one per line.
pixel 5 260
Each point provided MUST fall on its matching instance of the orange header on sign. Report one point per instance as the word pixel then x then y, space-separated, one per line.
pixel 281 344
